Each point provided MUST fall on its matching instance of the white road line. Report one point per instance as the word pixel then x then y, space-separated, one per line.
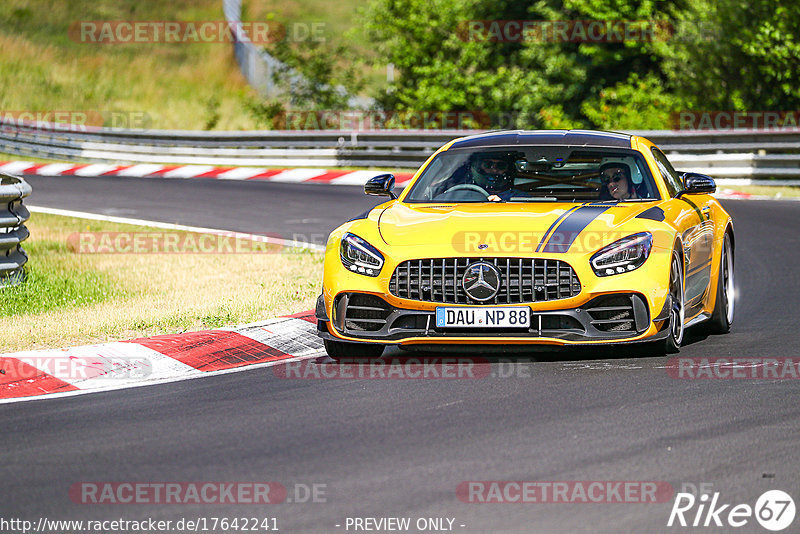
pixel 179 227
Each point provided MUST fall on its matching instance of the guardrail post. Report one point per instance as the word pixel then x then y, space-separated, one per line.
pixel 13 215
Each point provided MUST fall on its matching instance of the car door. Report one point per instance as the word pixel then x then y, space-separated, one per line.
pixel 693 217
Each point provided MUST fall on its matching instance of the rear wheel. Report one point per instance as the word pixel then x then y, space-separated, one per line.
pixel 722 317
pixel 342 349
pixel 672 344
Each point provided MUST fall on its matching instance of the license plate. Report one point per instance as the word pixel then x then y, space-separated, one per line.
pixel 483 317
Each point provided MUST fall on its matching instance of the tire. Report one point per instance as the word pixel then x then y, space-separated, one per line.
pixel 722 317
pixel 677 294
pixel 342 349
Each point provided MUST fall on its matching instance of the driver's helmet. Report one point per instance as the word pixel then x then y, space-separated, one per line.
pixel 493 171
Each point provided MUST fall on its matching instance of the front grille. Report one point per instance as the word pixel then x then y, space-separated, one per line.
pixel 523 280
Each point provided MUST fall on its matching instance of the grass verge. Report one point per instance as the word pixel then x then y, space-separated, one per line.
pixel 73 297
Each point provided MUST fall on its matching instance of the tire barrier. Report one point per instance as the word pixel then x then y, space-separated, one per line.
pixel 13 215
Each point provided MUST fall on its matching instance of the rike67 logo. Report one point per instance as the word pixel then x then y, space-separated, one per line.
pixel 774 510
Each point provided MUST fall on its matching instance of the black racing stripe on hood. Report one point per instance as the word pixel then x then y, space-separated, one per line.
pixel 547 233
pixel 567 232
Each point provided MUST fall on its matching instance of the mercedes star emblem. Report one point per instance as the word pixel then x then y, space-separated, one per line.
pixel 481 281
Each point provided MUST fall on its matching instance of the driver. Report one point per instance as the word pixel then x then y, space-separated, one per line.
pixel 493 171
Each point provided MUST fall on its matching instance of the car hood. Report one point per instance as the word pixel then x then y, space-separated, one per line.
pixel 506 227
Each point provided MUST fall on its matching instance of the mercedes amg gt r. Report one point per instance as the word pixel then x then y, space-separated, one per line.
pixel 520 238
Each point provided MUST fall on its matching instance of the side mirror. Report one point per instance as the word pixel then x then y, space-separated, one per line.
pixel 697 183
pixel 381 186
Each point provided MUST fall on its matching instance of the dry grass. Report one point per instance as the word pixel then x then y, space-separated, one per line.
pixel 181 86
pixel 191 86
pixel 147 294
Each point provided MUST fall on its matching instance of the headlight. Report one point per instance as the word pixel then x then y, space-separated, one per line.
pixel 359 256
pixel 621 256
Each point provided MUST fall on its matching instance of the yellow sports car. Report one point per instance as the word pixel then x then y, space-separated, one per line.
pixel 517 238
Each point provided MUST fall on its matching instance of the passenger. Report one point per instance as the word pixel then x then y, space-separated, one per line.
pixel 616 182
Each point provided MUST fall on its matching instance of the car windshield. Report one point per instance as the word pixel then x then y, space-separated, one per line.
pixel 534 174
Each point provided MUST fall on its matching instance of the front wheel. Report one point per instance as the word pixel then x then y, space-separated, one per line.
pixel 672 344
pixel 722 317
pixel 342 349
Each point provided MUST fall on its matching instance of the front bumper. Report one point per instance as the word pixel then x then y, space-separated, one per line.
pixel 609 318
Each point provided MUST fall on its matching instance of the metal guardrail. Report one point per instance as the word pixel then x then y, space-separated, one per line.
pixel 257 66
pixel 258 148
pixel 725 154
pixel 13 215
pixel 260 69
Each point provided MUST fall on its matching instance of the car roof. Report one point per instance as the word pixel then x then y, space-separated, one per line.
pixel 588 138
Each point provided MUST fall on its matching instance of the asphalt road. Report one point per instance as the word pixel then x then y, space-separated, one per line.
pixel 300 212
pixel 400 448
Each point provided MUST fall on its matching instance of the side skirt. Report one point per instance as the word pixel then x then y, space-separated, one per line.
pixel 697 319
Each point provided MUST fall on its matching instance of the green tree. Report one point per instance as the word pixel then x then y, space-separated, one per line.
pixel 316 76
pixel 440 68
pixel 734 55
pixel 705 55
pixel 638 103
pixel 588 71
pixel 540 82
